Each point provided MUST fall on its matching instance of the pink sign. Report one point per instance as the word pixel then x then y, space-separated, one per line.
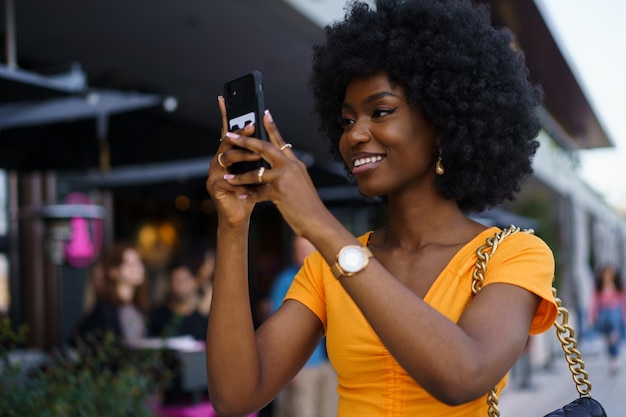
pixel 85 240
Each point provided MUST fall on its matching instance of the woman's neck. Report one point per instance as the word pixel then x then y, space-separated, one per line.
pixel 416 222
pixel 126 293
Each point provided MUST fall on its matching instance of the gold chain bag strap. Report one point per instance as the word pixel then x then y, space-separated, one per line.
pixel 580 407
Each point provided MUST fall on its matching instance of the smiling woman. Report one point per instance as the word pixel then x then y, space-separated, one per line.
pixel 428 106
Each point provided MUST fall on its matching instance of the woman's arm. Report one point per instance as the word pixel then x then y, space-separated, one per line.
pixel 246 369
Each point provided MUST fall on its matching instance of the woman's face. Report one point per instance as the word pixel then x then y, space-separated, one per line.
pixel 388 145
pixel 608 276
pixel 131 271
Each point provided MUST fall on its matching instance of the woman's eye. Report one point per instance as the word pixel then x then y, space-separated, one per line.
pixel 382 112
pixel 344 121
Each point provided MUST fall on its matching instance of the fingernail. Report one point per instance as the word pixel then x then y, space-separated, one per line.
pixel 220 97
pixel 243 196
pixel 232 135
pixel 229 176
pixel 269 116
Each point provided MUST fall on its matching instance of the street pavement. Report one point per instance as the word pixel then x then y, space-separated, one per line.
pixel 553 387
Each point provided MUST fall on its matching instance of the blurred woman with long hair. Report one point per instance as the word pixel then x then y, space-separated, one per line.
pixel 123 300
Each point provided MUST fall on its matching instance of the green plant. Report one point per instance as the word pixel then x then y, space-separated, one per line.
pixel 100 377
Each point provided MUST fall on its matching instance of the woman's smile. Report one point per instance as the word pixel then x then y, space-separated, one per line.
pixel 362 164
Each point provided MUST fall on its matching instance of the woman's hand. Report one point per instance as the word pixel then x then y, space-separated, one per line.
pixel 287 184
pixel 230 200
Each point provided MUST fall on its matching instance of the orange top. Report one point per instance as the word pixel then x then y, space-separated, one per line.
pixel 371 382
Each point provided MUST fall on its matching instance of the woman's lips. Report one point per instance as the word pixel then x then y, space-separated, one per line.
pixel 366 163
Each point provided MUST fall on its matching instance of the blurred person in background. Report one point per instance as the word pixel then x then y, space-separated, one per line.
pixel 123 300
pixel 608 311
pixel 179 315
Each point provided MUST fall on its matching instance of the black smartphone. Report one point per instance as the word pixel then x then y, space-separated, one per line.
pixel 245 104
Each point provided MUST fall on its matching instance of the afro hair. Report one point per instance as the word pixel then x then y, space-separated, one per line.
pixel 469 79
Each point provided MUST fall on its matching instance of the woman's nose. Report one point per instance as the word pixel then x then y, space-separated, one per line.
pixel 359 132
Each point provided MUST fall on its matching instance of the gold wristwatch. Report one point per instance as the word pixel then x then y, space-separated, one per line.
pixel 351 260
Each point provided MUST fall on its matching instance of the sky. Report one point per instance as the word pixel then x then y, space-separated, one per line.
pixel 592 37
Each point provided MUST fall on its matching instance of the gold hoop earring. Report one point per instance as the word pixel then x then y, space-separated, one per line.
pixel 439 169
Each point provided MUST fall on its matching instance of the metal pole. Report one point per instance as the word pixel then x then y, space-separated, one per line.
pixel 16 306
pixel 9 13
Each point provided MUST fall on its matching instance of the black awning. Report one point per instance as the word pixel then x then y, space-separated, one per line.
pixel 20 85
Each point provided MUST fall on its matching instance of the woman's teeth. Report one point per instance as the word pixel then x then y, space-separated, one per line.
pixel 368 160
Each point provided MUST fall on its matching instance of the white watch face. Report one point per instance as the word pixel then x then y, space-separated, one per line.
pixel 351 259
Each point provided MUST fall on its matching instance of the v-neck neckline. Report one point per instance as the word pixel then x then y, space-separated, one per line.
pixel 466 250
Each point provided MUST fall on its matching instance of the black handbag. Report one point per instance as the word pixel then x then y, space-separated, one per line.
pixel 585 405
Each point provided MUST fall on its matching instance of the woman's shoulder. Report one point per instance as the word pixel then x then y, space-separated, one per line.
pixel 522 252
pixel 102 317
pixel 528 239
pixel 104 314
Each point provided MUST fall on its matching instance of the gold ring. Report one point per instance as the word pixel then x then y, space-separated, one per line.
pixel 285 146
pixel 219 160
pixel 259 174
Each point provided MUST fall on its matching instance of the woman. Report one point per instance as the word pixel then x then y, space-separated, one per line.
pixel 123 300
pixel 608 311
pixel 429 107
